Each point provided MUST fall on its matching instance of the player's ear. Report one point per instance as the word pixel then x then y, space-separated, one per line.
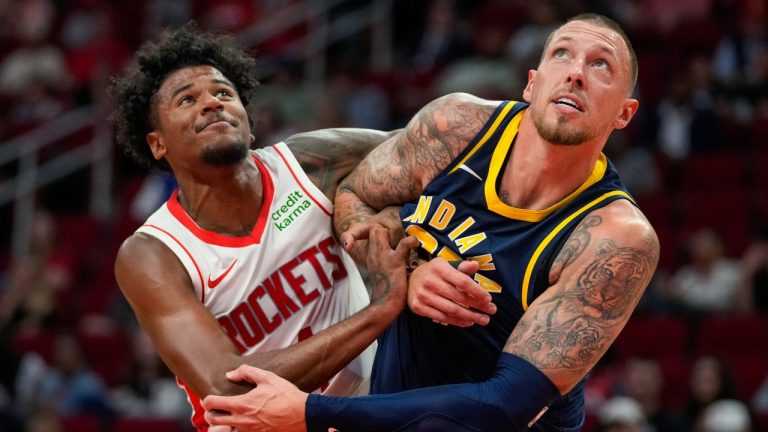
pixel 529 86
pixel 628 110
pixel 156 145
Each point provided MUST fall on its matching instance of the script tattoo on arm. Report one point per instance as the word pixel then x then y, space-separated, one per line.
pixel 568 331
pixel 577 242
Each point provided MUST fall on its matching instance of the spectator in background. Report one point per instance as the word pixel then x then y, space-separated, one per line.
pixel 34 75
pixel 621 414
pixel 70 387
pixel 442 41
pixel 759 402
pixel 710 381
pixel 709 283
pixel 754 262
pixel 526 44
pixel 29 298
pixel 93 51
pixel 738 49
pixel 636 164
pixel 726 416
pixel 488 72
pixel 643 382
pixel 150 390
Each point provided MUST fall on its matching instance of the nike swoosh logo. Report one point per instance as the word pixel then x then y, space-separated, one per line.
pixel 212 283
pixel 469 170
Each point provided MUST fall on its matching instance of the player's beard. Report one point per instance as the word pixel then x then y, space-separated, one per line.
pixel 225 154
pixel 559 132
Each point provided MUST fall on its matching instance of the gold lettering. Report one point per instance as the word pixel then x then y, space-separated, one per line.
pixel 443 215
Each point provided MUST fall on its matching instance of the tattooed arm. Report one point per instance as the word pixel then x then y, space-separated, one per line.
pixel 596 282
pixel 327 155
pixel 399 169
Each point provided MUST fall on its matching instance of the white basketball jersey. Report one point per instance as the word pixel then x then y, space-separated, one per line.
pixel 286 280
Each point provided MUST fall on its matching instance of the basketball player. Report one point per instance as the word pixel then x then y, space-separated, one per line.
pixel 241 264
pixel 523 192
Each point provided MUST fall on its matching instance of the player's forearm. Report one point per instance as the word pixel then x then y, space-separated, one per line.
pixel 510 401
pixel 311 363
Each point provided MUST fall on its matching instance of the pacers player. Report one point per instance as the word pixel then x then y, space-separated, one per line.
pixel 521 196
pixel 241 265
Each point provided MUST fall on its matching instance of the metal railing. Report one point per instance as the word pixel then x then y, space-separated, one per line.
pixel 25 150
pixel 32 174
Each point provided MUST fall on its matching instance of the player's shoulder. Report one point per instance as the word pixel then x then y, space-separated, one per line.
pixel 623 221
pixel 461 102
pixel 140 247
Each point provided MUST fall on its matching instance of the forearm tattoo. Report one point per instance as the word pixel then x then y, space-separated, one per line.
pixel 570 330
pixel 381 286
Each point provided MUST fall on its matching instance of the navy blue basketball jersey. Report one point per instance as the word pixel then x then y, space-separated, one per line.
pixel 460 216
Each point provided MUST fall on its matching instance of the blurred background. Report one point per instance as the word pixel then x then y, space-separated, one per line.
pixel 693 358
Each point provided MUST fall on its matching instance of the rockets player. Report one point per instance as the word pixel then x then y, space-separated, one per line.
pixel 240 265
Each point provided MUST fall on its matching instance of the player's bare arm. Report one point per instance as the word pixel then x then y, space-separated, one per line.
pixel 327 155
pixel 397 170
pixel 193 345
pixel 597 280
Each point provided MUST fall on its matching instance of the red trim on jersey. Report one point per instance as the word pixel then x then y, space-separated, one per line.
pixel 198 412
pixel 210 237
pixel 290 168
pixel 199 273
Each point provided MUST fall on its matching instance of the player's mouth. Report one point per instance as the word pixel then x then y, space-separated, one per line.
pixel 569 101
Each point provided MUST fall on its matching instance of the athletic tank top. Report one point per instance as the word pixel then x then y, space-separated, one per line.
pixel 283 282
pixel 459 216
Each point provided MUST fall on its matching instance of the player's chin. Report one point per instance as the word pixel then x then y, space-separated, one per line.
pixel 225 154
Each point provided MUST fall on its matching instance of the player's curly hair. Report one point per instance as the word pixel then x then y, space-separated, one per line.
pixel 134 93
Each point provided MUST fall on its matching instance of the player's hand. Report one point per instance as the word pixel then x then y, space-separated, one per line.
pixel 389 218
pixel 449 295
pixel 387 266
pixel 275 404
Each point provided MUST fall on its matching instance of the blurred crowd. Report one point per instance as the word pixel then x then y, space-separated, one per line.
pixel 696 159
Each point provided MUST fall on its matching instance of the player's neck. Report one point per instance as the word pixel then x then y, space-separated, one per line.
pixel 540 174
pixel 227 201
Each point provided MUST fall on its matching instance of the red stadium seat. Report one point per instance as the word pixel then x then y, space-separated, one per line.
pixel 42 342
pixel 748 373
pixel 733 338
pixel 81 423
pixel 713 172
pixel 108 353
pixel 655 337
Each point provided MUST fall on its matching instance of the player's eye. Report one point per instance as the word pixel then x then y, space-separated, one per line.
pixel 186 100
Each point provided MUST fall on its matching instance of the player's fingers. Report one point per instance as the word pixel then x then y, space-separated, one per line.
pixel 447 311
pixel 219 428
pixel 463 283
pixel 218 408
pixel 378 238
pixel 249 373
pixel 469 267
pixel 405 245
pixel 441 317
pixel 358 231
